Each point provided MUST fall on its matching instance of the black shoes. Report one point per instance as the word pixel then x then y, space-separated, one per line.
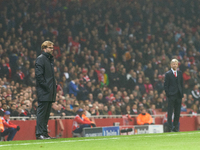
pixel 174 130
pixel 47 136
pixel 42 137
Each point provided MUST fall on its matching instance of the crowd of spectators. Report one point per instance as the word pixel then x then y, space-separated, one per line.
pixel 110 57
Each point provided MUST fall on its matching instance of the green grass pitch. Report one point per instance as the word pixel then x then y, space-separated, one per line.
pixel 164 141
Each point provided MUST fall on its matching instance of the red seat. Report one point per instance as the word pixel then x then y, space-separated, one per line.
pixel 184 113
pixel 188 110
pixel 158 110
pixel 160 113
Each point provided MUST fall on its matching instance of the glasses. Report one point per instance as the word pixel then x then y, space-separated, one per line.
pixel 50 47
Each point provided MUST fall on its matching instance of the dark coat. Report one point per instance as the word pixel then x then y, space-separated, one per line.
pixel 45 79
pixel 173 85
pixel 113 80
pixel 131 83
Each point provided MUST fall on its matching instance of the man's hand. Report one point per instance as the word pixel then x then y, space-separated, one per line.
pixel 93 124
pixel 18 128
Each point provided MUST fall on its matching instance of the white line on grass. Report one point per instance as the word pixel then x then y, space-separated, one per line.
pixel 85 140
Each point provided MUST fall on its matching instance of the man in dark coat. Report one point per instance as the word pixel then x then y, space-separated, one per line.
pixel 113 78
pixel 174 91
pixel 46 88
pixel 159 86
pixel 149 72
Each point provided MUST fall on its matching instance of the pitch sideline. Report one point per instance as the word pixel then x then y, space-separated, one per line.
pixel 86 140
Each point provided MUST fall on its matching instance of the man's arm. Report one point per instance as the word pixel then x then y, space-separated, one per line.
pixel 182 83
pixel 166 84
pixel 150 120
pixel 139 121
pixel 194 95
pixel 10 125
pixel 74 87
pixel 39 73
pixel 80 121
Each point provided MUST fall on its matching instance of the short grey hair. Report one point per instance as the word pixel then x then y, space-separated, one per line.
pixel 174 60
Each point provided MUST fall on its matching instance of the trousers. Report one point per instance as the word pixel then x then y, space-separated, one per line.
pixel 10 132
pixel 43 113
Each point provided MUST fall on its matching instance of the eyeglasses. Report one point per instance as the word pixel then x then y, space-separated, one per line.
pixel 50 47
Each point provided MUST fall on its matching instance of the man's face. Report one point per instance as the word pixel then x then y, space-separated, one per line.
pixel 140 80
pixel 144 111
pixel 68 107
pixel 5 107
pixel 49 49
pixel 7 116
pixel 174 65
pixel 13 107
pixel 134 107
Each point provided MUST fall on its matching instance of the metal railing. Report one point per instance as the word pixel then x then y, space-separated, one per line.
pixel 96 117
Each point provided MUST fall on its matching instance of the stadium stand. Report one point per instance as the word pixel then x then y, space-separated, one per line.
pixel 118 51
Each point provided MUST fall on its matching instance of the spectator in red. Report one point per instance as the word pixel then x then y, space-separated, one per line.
pixel 148 86
pixel 19 76
pixel 85 76
pixel 79 122
pixel 112 110
pixel 10 128
pixel 186 76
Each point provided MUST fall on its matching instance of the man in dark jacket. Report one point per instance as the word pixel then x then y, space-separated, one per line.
pixel 174 91
pixel 159 86
pixel 141 86
pixel 46 88
pixel 113 78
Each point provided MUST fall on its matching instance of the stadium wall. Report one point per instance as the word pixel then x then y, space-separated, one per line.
pixel 27 131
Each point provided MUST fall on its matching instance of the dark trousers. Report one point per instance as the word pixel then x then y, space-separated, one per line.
pixel 166 127
pixel 174 105
pixel 43 113
pixel 10 132
pixel 80 129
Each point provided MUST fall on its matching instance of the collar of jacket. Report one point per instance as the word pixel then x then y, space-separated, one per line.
pixel 48 55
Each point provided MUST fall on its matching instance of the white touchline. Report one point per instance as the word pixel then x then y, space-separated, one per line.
pixel 85 140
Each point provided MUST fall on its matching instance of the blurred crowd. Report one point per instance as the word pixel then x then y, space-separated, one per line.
pixel 110 57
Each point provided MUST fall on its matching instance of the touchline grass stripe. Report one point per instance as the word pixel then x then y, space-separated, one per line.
pixel 70 140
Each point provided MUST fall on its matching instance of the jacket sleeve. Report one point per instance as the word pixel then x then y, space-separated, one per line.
pixel 139 121
pixel 150 119
pixel 80 121
pixel 166 84
pixel 39 73
pixel 75 88
pixel 182 83
pixel 10 125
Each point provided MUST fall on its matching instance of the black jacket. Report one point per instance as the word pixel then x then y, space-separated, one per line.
pixel 45 79
pixel 172 84
pixel 131 83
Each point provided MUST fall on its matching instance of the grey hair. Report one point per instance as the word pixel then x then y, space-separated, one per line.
pixel 174 60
